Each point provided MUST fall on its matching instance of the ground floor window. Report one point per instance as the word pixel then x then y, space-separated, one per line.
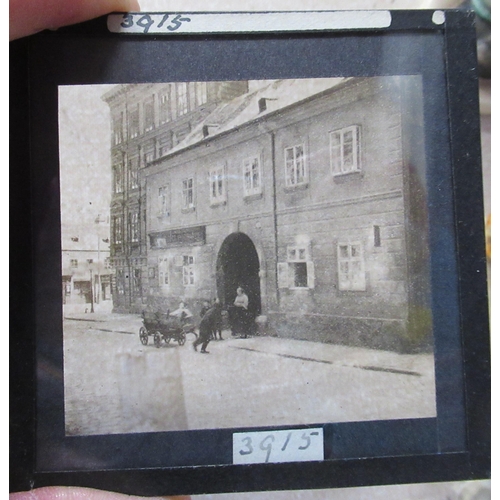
pixel 163 274
pixel 298 271
pixel 351 266
pixel 187 270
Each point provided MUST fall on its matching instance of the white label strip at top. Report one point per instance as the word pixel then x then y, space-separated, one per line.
pixel 246 22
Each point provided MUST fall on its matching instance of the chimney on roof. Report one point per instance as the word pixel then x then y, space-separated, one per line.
pixel 263 103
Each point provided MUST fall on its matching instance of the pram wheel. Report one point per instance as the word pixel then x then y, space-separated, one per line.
pixel 143 335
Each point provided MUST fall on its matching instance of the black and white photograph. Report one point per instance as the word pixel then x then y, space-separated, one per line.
pixel 243 254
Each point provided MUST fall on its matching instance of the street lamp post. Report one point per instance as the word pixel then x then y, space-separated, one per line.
pixel 91 291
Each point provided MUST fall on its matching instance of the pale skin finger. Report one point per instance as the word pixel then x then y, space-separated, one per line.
pixel 30 16
pixel 66 493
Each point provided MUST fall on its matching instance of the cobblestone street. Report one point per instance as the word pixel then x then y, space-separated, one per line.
pixel 114 384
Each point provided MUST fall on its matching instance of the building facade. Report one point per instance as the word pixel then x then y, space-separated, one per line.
pixel 146 122
pixel 87 276
pixel 308 193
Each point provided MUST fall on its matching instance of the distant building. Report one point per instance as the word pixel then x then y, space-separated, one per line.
pixel 308 193
pixel 147 121
pixel 87 277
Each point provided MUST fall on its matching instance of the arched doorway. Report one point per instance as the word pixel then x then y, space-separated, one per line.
pixel 238 265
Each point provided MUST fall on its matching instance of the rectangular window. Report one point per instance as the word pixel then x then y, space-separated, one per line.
pixel 187 270
pixel 118 229
pixel 201 93
pixel 252 176
pixel 163 272
pixel 182 99
pixel 118 178
pixel 188 193
pixel 118 129
pixel 134 227
pixel 351 266
pixel 298 271
pixel 133 174
pixel 74 263
pixel 133 123
pixel 295 165
pixel 217 186
pixel 345 150
pixel 163 198
pixel 90 261
pixel 149 116
pixel 164 105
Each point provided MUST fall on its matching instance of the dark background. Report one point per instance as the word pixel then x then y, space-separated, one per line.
pixel 453 446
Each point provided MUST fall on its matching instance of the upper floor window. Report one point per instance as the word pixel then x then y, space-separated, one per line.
pixel 217 186
pixel 134 227
pixel 118 129
pixel 163 198
pixel 182 99
pixel 118 178
pixel 165 106
pixel 133 173
pixel 345 150
pixel 351 266
pixel 252 176
pixel 188 193
pixel 201 93
pixel 73 263
pixel 118 229
pixel 149 116
pixel 295 165
pixel 133 123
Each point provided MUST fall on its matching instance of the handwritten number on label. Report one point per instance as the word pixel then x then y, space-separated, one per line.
pixel 307 439
pixel 286 441
pixel 177 22
pixel 128 21
pixel 248 444
pixel 164 19
pixel 145 22
pixel 267 447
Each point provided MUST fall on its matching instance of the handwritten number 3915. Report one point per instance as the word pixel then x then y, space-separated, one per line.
pixel 145 22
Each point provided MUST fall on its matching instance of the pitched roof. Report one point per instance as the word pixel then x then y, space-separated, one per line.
pixel 278 94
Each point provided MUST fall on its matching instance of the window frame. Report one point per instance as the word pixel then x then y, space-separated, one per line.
pixel 292 182
pixel 163 201
pixel 350 285
pixel 163 272
pixel 356 151
pixel 188 270
pixel 217 180
pixel 134 226
pixel 133 123
pixel 247 168
pixel 186 205
pixel 149 115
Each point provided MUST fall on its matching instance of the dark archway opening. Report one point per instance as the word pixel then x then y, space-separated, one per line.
pixel 238 265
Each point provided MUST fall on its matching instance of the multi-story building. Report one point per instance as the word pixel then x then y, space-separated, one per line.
pixel 146 122
pixel 308 193
pixel 87 277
